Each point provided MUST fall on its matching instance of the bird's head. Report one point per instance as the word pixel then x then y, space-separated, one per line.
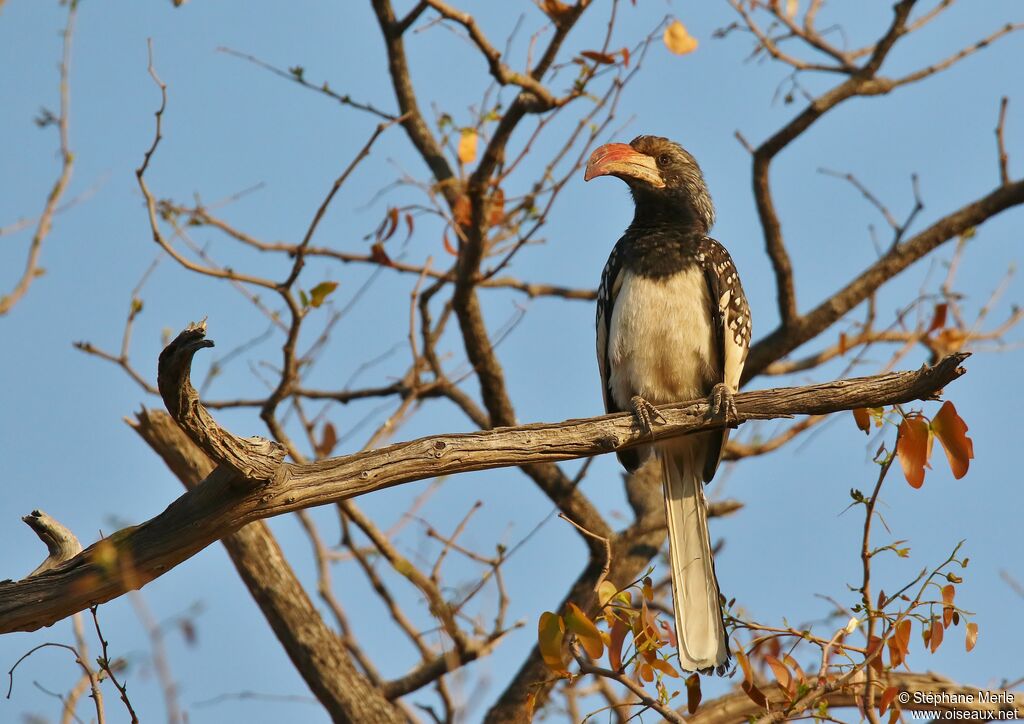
pixel 663 177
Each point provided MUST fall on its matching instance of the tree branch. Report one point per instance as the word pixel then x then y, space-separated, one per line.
pixel 220 505
pixel 61 543
pixel 784 339
pixel 738 706
pixel 317 653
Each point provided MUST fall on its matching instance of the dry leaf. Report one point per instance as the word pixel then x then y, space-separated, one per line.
pixel 598 57
pixel 912 447
pixel 972 635
pixel 586 632
pixel 935 637
pixel 467 146
pixel 863 419
pixel 952 433
pixel 557 11
pixel 938 318
pixel 888 696
pixel 665 667
pixel 678 39
pixel 693 694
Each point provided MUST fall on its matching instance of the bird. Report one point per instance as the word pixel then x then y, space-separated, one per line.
pixel 673 324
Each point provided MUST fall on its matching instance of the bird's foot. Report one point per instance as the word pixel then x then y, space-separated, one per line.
pixel 644 413
pixel 721 403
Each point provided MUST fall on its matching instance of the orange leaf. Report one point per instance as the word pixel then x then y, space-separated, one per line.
pixel 748 685
pixel 842 344
pixel 899 643
pixel 496 211
pixel 327 441
pixel 935 638
pixel 467 146
pixel 380 256
pixel 557 11
pixel 948 591
pixel 618 634
pixel 462 211
pixel 912 449
pixel 741 657
pixel 888 696
pixel 603 58
pixel 580 624
pixel 646 672
pixel 678 39
pixel 550 632
pixel 387 227
pixel 791 663
pixel 782 675
pixel 875 645
pixel 408 225
pixel 863 419
pixel 693 694
pixel 972 635
pixel 665 667
pixel 448 246
pixel 938 318
pixel 952 433
pixel 625 56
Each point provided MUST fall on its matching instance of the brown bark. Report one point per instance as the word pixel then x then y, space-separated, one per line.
pixel 224 502
pixel 314 649
pixel 738 706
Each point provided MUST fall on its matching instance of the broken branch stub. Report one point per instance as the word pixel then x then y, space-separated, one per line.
pixel 255 459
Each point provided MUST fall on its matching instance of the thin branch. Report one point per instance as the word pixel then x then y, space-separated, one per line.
pixel 32 269
pixel 1004 159
pixel 296 75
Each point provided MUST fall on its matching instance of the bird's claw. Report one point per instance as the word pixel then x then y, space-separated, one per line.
pixel 721 403
pixel 644 412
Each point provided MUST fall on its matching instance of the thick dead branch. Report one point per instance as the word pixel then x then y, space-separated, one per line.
pixel 61 543
pixel 315 650
pixel 739 707
pixel 220 505
pixel 254 458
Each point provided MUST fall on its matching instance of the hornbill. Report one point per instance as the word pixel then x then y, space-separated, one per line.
pixel 673 324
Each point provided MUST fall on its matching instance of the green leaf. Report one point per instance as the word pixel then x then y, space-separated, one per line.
pixel 320 292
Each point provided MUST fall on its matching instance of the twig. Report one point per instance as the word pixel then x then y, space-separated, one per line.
pixel 32 269
pixel 108 668
pixel 1004 159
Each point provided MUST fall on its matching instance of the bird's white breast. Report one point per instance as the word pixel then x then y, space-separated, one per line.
pixel 660 343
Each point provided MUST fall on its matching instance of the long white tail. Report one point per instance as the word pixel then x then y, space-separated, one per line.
pixel 700 627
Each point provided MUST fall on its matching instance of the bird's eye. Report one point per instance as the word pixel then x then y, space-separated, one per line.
pixel 663 159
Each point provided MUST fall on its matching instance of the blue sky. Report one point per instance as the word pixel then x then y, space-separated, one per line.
pixel 230 126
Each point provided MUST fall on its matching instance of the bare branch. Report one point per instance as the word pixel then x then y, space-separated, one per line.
pixel 738 706
pixel 297 76
pixel 1004 159
pixel 783 340
pixel 32 269
pixel 226 501
pixel 313 648
pixel 61 543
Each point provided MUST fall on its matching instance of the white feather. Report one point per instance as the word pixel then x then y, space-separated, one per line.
pixel 660 341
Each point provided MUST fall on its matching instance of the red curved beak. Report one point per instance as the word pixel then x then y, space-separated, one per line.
pixel 622 160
